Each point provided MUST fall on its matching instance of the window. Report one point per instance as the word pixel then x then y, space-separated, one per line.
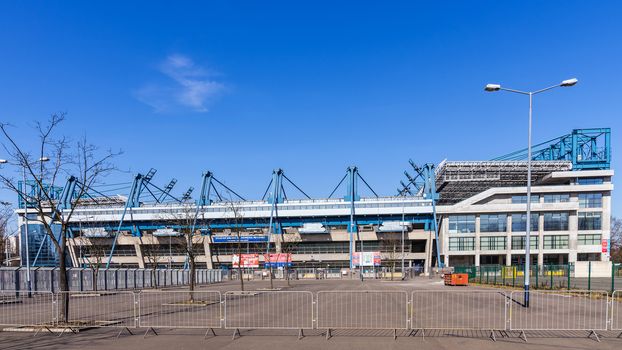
pixel 523 199
pixel 591 239
pixel 461 243
pixel 462 224
pixel 492 243
pixel 590 200
pixel 518 242
pixel 519 222
pixel 556 198
pixel 590 221
pixel 555 221
pixel 556 242
pixel 590 181
pixel 492 223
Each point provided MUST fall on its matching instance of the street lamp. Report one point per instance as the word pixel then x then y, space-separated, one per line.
pixel 26 235
pixel 498 87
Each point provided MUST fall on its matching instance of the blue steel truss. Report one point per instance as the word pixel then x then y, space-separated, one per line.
pixel 585 148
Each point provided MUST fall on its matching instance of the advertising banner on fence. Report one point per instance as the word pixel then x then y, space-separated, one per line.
pixel 278 260
pixel 368 259
pixel 246 260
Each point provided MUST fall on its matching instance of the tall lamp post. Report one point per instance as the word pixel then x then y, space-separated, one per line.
pixel 497 87
pixel 26 235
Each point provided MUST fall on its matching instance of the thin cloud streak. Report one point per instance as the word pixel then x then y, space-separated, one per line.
pixel 188 85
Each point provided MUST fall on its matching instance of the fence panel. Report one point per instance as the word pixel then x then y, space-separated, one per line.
pixel 462 309
pixel 616 311
pixel 17 309
pixel 269 309
pixel 559 310
pixel 179 309
pixel 362 310
pixel 96 309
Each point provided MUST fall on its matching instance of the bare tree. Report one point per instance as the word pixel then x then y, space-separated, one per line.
pixel 616 240
pixel 235 218
pixel 80 159
pixel 288 245
pixel 153 256
pixel 6 212
pixel 185 225
pixel 95 253
pixel 391 245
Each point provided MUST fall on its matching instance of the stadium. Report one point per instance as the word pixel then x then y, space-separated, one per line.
pixel 454 213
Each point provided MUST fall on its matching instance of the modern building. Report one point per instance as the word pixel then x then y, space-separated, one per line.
pixel 452 213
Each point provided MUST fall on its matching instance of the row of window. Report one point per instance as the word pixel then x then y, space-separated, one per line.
pixel 498 222
pixel 586 200
pixel 518 242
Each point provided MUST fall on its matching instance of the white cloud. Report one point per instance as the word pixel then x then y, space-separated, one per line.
pixel 188 85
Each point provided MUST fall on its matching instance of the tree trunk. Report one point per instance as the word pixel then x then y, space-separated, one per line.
pixel 193 268
pixel 63 284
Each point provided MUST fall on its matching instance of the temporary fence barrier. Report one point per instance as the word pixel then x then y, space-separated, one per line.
pixel 179 309
pixel 268 309
pixel 459 310
pixel 23 309
pixel 574 310
pixel 616 311
pixel 362 310
pixel 96 310
pixel 480 310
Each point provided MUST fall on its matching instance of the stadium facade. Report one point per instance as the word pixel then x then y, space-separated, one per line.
pixel 448 214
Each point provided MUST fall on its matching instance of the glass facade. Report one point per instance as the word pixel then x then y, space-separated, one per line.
pixel 590 239
pixel 493 223
pixel 518 242
pixel 461 243
pixel 557 198
pixel 590 221
pixel 590 181
pixel 519 222
pixel 41 250
pixel 462 224
pixel 555 221
pixel 522 199
pixel 590 200
pixel 492 243
pixel 556 242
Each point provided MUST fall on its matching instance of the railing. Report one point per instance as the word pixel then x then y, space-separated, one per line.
pixel 491 311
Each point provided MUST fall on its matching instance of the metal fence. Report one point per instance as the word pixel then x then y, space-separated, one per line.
pixel 96 309
pixel 616 311
pixel 84 279
pixel 268 309
pixel 362 310
pixel 480 310
pixel 459 310
pixel 179 309
pixel 22 309
pixel 547 276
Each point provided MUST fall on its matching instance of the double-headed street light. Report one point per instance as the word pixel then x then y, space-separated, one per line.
pixel 498 87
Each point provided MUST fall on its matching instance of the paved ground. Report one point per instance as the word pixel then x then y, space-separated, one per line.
pixel 341 304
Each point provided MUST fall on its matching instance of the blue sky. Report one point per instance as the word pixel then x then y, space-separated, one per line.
pixel 241 88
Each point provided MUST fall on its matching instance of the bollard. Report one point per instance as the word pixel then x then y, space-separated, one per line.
pixel 589 276
pixel 568 273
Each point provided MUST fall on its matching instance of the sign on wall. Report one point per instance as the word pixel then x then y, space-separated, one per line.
pixel 368 259
pixel 246 239
pixel 278 259
pixel 246 260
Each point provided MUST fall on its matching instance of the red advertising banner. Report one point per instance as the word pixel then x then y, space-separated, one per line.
pixel 605 245
pixel 278 259
pixel 247 260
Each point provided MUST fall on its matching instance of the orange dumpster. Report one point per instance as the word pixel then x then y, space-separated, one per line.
pixel 456 279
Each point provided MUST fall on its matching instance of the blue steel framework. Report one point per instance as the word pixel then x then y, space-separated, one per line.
pixel 585 148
